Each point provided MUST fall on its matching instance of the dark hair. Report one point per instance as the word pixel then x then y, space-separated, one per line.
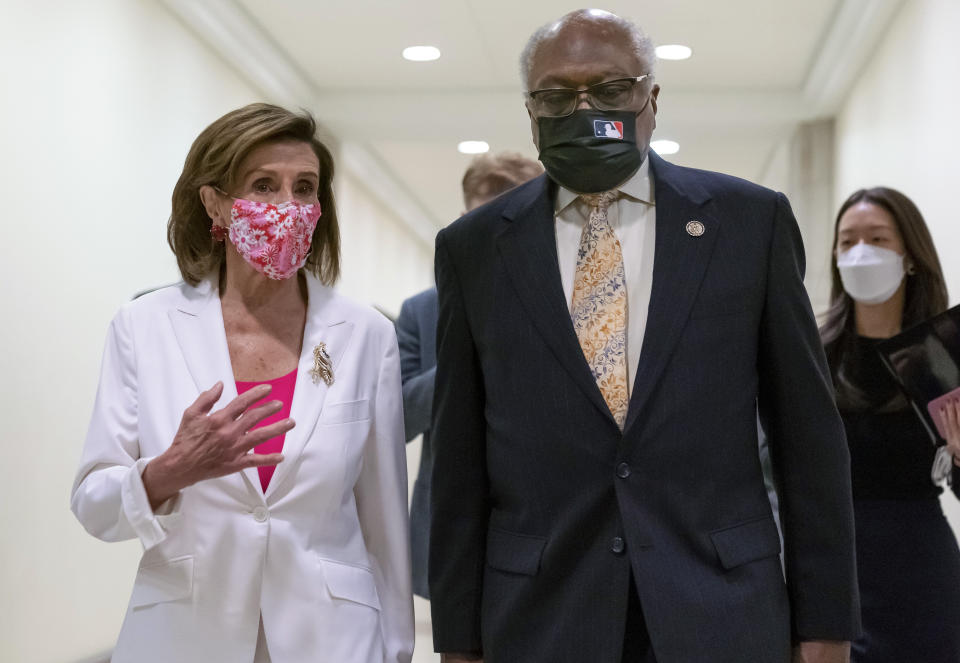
pixel 214 159
pixel 926 291
pixel 490 175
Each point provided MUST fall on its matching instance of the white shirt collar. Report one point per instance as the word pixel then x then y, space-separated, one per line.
pixel 639 187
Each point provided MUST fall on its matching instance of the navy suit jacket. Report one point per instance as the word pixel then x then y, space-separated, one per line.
pixel 417 338
pixel 543 510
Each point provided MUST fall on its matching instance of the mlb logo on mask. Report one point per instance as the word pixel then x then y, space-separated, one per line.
pixel 608 129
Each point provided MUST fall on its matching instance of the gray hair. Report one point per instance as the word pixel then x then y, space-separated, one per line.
pixel 642 45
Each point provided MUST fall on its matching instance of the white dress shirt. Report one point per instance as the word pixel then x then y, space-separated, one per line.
pixel 633 219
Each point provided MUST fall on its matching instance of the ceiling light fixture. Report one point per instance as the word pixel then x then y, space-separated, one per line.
pixel 674 52
pixel 421 53
pixel 473 147
pixel 665 146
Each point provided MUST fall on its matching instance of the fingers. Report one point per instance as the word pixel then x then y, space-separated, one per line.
pixel 253 416
pixel 206 400
pixel 261 435
pixel 260 460
pixel 239 405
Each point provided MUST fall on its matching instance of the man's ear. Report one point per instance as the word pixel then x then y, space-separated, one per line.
pixel 654 93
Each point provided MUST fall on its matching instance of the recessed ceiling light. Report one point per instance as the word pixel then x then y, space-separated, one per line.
pixel 665 146
pixel 421 53
pixel 473 147
pixel 673 52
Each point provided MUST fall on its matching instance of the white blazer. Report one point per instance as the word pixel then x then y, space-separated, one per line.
pixel 323 556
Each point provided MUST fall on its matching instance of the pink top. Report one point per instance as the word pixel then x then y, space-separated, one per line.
pixel 282 391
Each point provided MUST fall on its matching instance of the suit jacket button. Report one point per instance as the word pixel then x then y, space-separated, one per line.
pixel 618 545
pixel 623 470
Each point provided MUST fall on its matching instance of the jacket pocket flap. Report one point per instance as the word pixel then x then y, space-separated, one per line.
pixel 352 583
pixel 168 580
pixel 746 542
pixel 516 553
pixel 344 413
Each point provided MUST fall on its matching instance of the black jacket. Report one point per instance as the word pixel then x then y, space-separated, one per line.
pixel 541 507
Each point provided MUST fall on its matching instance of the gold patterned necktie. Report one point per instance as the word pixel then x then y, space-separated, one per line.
pixel 599 305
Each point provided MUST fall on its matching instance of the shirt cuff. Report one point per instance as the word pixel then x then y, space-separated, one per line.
pixel 151 526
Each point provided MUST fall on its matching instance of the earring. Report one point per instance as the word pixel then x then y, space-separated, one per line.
pixel 219 233
pixel 911 269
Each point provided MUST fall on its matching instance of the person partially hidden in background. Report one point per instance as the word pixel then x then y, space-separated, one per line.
pixel 886 278
pixel 607 334
pixel 488 176
pixel 248 427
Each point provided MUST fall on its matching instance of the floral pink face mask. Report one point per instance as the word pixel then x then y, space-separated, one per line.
pixel 273 239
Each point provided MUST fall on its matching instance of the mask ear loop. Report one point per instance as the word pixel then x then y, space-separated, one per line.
pixel 300 207
pixel 645 104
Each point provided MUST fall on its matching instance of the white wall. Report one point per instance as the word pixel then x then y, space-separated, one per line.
pixel 386 262
pixel 101 101
pixel 899 128
pixel 801 167
pixel 899 125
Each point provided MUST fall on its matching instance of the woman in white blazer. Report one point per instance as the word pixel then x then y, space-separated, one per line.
pixel 309 562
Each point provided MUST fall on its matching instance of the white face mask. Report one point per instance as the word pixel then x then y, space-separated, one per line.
pixel 870 274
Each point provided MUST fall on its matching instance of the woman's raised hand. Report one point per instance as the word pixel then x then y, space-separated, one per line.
pixel 209 445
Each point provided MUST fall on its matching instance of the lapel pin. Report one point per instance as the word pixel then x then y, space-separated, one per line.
pixel 695 228
pixel 322 365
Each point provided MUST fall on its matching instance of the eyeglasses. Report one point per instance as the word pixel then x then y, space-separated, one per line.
pixel 561 101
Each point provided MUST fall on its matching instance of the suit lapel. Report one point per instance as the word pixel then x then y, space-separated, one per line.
pixel 528 247
pixel 326 324
pixel 198 326
pixel 680 262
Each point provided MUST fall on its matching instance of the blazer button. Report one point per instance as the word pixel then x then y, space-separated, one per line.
pixel 260 514
pixel 623 470
pixel 618 545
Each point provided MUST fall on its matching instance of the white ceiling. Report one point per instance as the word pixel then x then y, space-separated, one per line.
pixel 356 45
pixel 759 67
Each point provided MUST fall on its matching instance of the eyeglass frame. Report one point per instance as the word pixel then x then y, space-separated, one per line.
pixel 587 90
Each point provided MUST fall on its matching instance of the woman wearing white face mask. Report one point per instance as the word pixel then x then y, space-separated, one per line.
pixel 887 277
pixel 264 539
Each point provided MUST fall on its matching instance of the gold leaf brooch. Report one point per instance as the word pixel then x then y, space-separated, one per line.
pixel 322 365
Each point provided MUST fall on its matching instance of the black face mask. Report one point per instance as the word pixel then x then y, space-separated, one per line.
pixel 590 151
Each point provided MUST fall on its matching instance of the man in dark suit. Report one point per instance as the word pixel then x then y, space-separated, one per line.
pixel 488 176
pixel 607 336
